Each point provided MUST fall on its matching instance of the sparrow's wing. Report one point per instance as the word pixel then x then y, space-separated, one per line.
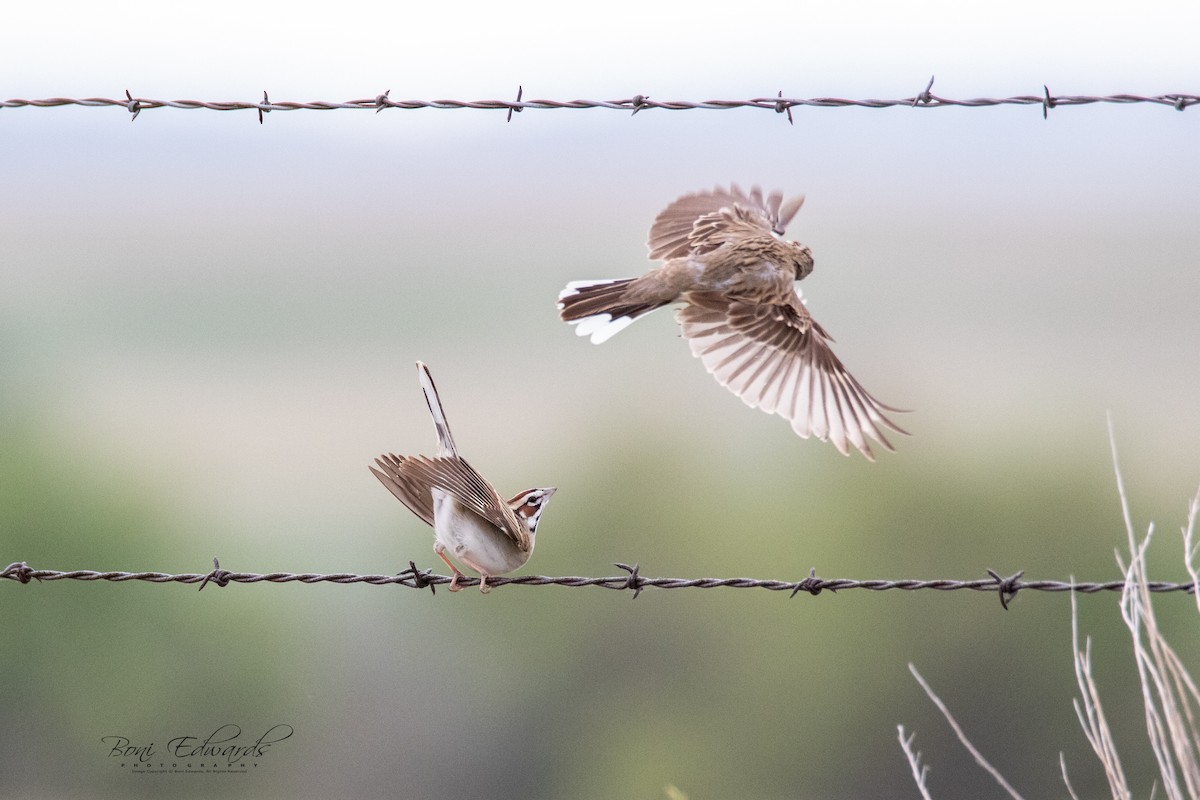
pixel 456 477
pixel 409 487
pixel 778 359
pixel 700 220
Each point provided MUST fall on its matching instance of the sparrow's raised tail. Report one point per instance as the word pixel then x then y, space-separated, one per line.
pixel 445 440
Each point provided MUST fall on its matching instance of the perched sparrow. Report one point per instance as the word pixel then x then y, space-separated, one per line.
pixel 743 316
pixel 479 528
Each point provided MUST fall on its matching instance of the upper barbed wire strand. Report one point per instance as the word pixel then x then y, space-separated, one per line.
pixel 635 104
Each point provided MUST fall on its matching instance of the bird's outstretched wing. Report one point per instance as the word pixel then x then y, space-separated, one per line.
pixel 701 220
pixel 778 359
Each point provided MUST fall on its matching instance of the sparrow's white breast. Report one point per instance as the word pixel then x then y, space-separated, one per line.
pixel 472 538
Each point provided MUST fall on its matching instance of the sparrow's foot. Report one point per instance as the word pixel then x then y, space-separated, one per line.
pixel 483 576
pixel 454 587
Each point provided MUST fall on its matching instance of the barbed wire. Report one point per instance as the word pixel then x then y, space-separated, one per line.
pixel 634 104
pixel 632 580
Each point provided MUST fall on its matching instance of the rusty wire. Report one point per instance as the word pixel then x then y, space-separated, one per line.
pixel 632 580
pixel 634 104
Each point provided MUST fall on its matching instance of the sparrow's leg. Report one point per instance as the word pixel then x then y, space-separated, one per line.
pixel 441 552
pixel 483 576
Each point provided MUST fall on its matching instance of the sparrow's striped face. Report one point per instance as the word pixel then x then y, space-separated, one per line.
pixel 529 505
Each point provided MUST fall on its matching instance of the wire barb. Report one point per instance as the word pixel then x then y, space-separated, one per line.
pixel 812 584
pixel 1048 102
pixel 218 576
pixel 18 571
pixel 634 581
pixel 1008 586
pixel 784 106
pixel 134 106
pixel 924 98
pixel 516 107
pixel 420 578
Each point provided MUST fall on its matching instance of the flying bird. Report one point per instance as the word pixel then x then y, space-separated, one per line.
pixel 470 519
pixel 724 258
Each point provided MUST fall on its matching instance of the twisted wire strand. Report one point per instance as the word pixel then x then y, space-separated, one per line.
pixel 632 580
pixel 635 104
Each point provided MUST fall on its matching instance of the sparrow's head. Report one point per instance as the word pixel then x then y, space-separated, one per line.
pixel 529 506
pixel 802 260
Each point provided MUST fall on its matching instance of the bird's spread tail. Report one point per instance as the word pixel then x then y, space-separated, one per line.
pixel 445 440
pixel 599 309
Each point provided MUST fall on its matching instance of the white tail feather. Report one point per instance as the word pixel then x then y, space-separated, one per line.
pixel 601 327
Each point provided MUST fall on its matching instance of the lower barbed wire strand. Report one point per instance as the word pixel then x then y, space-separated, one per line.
pixel 416 579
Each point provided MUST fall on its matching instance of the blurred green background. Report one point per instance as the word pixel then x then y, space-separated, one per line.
pixel 210 326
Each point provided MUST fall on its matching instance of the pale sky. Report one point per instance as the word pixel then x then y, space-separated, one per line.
pixel 336 51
